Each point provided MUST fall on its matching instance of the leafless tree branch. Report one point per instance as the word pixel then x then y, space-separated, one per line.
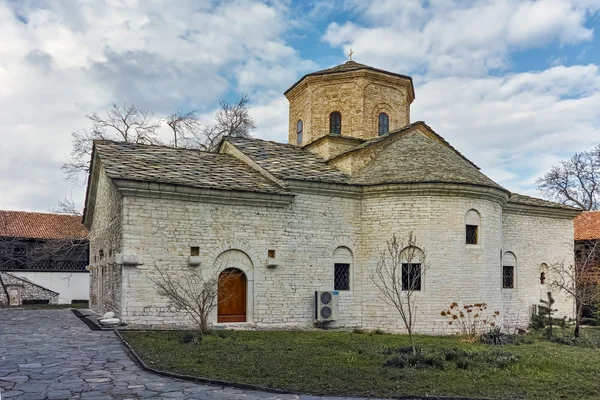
pixel 396 290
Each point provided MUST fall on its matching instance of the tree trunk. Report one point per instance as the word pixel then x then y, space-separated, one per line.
pixel 579 309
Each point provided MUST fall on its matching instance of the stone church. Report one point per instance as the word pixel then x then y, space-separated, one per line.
pixel 314 214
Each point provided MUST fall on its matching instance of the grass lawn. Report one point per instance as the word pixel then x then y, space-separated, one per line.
pixel 352 364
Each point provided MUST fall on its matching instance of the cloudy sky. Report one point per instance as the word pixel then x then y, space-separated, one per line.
pixel 513 84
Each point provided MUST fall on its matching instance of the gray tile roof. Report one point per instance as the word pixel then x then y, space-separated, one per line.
pixel 286 161
pixel 534 201
pixel 350 66
pixel 195 168
pixel 412 157
pixel 402 131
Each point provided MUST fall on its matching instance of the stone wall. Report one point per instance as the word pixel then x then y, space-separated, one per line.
pixel 536 240
pixel 28 289
pixel 105 243
pixel 359 96
pixel 304 236
pixel 458 272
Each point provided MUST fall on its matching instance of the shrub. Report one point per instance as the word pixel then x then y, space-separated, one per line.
pixel 419 360
pixel 358 331
pixel 191 337
pixel 496 337
pixel 471 319
pixel 465 359
pixel 378 332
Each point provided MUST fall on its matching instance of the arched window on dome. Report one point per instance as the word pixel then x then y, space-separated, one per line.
pixel 299 129
pixel 335 123
pixel 509 265
pixel 384 123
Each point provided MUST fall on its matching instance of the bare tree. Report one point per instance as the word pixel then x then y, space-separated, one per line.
pixel 232 119
pixel 129 124
pixel 398 277
pixel 66 206
pixel 581 279
pixel 184 125
pixel 193 292
pixel 575 181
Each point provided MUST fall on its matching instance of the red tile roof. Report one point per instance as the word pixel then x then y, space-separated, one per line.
pixel 41 226
pixel 587 225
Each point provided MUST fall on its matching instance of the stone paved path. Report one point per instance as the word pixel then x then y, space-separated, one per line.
pixel 51 354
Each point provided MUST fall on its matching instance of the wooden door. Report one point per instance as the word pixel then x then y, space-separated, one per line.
pixel 232 296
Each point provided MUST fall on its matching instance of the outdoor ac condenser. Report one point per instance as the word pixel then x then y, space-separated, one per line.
pixel 327 305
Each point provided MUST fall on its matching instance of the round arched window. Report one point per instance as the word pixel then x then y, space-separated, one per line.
pixel 384 124
pixel 299 128
pixel 335 123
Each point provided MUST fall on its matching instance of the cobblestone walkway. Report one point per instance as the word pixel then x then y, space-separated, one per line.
pixel 51 354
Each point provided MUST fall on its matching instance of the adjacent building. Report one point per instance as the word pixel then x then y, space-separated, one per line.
pixel 43 258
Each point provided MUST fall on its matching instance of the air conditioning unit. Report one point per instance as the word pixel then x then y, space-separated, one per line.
pixel 327 305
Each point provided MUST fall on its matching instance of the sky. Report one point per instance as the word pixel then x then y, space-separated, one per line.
pixel 514 85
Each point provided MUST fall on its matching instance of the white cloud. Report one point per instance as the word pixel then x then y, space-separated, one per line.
pixel 60 61
pixel 457 37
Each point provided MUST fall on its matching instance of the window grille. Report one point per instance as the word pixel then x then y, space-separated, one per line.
pixel 411 276
pixel 384 124
pixel 335 123
pixel 508 277
pixel 472 233
pixel 341 277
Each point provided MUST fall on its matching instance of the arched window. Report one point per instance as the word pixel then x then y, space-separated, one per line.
pixel 472 222
pixel 509 264
pixel 335 123
pixel 299 127
pixel 342 264
pixel 543 273
pixel 412 257
pixel 384 124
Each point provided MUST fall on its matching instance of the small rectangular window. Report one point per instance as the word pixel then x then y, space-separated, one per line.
pixel 472 233
pixel 271 253
pixel 194 251
pixel 341 277
pixel 101 254
pixel 411 276
pixel 508 277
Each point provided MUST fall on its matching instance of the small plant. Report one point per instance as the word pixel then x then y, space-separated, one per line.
pixel 419 360
pixel 358 331
pixel 496 337
pixel 544 318
pixel 191 338
pixel 465 359
pixel 378 331
pixel 470 320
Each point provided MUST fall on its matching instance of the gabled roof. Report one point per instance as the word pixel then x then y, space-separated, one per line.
pixel 403 130
pixel 187 167
pixel 350 66
pixel 587 225
pixel 286 161
pixel 411 156
pixel 534 201
pixel 35 225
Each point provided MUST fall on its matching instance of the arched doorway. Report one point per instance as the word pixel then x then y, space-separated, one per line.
pixel 232 296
